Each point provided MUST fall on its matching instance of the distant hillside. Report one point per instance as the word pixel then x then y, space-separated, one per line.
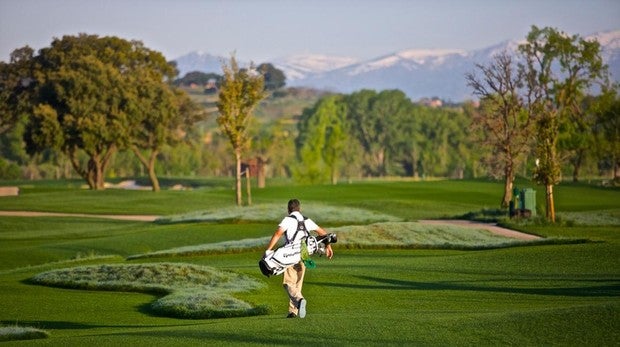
pixel 418 73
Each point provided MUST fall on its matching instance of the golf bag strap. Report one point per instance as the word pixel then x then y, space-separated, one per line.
pixel 298 229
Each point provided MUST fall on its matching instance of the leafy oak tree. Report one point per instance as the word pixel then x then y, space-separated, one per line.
pixel 274 77
pixel 163 116
pixel 241 91
pixel 90 95
pixel 16 79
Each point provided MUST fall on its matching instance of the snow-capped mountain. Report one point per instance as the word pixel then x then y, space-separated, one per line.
pixel 199 61
pixel 418 73
pixel 610 47
pixel 298 67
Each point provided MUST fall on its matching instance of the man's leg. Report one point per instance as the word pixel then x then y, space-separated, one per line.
pixel 293 282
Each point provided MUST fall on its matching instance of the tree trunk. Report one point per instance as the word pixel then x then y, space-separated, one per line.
pixel 91 178
pixel 149 165
pixel 78 168
pixel 577 165
pixel 550 204
pixel 507 193
pixel 99 175
pixel 261 172
pixel 414 163
pixel 152 175
pixel 248 186
pixel 238 177
pixel 508 179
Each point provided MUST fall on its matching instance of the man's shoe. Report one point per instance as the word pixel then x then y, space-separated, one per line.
pixel 291 315
pixel 302 308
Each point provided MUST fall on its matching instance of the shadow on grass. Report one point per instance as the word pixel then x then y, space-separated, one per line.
pixel 612 289
pixel 299 338
pixel 64 325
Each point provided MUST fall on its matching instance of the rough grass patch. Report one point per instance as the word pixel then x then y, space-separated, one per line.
pixel 235 246
pixel 191 291
pixel 378 235
pixel 204 305
pixel 274 212
pixel 418 235
pixel 592 218
pixel 11 333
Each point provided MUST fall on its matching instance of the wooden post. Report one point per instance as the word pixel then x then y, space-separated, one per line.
pixel 248 185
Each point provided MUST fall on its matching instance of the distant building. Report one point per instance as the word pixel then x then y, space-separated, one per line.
pixel 211 86
pixel 431 102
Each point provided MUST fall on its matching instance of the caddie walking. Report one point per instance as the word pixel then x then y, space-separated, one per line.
pixel 295 228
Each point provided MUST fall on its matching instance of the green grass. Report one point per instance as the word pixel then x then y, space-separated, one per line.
pixel 554 294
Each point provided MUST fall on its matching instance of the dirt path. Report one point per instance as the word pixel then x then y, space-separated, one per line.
pixel 486 226
pixel 140 218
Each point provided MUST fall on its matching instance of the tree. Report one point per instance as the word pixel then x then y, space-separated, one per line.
pixel 274 78
pixel 241 91
pixel 561 68
pixel 199 78
pixel 80 106
pixel 322 141
pixel 163 117
pixel 407 144
pixel 607 133
pixel 375 120
pixel 16 79
pixel 503 119
pixel 89 97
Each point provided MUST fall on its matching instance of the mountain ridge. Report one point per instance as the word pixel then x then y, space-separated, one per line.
pixel 419 73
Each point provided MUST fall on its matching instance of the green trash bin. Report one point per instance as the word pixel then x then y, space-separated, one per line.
pixel 517 198
pixel 528 199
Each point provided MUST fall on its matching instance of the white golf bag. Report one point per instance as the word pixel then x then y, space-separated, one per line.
pixel 276 262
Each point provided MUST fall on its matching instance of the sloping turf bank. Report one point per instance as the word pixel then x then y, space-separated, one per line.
pixel 406 235
pixel 190 291
pixel 270 212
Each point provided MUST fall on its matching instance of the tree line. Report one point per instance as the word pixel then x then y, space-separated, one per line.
pixel 537 103
pixel 104 107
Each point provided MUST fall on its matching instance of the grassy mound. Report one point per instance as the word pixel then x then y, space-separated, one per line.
pixel 275 212
pixel 204 305
pixel 378 235
pixel 191 291
pixel 418 235
pixel 11 333
pixel 235 246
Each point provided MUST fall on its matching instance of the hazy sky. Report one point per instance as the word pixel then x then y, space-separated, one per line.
pixel 260 30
